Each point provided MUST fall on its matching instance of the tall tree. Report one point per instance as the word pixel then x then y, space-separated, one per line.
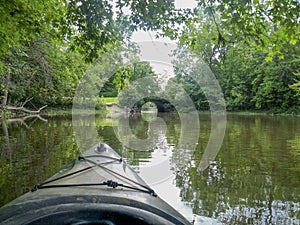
pixel 249 78
pixel 267 25
pixel 22 20
pixel 29 30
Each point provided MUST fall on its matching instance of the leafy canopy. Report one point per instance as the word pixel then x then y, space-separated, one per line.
pixel 267 25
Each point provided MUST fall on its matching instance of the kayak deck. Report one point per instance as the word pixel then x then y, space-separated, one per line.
pixel 96 188
pixel 99 166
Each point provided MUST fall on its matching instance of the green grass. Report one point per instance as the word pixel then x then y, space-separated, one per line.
pixel 109 100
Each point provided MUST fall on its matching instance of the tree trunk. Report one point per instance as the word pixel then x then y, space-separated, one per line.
pixel 5 92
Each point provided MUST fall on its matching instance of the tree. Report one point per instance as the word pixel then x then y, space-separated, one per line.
pixel 296 85
pixel 24 21
pixel 29 32
pixel 249 76
pixel 141 85
pixel 86 25
pixel 266 25
pixel 43 70
pixel 90 25
pixel 272 83
pixel 32 56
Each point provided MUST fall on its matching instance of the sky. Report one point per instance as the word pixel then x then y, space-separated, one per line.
pixel 157 50
pixel 185 3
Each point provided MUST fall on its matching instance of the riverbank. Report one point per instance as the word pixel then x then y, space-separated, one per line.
pixel 269 113
pixel 104 109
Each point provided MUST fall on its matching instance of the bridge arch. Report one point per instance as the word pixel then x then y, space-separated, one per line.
pixel 161 104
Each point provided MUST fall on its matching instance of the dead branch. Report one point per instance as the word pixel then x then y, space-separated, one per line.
pixel 27 100
pixel 23 120
pixel 22 108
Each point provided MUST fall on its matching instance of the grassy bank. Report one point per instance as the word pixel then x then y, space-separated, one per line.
pixel 109 100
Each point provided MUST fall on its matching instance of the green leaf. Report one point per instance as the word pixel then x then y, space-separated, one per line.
pixel 293 42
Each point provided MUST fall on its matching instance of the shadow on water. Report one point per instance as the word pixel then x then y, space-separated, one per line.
pixel 254 178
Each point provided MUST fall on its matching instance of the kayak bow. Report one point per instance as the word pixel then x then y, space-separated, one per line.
pixel 96 188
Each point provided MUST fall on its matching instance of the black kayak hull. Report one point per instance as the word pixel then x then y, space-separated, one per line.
pixel 60 201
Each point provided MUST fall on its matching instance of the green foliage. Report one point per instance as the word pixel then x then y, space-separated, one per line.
pixel 250 83
pixel 176 91
pixel 149 106
pixel 46 45
pixel 122 77
pixel 141 83
pixel 41 69
pixel 99 104
pixel 132 72
pixel 152 15
pixel 254 73
pixel 109 89
pixel 26 20
pixel 90 26
pixel 115 68
pixel 296 85
pixel 133 96
pixel 265 25
pixel 141 69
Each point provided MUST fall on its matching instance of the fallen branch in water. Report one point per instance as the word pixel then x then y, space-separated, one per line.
pixel 24 109
pixel 23 120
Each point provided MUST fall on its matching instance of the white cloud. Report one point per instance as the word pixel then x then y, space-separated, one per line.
pixel 185 4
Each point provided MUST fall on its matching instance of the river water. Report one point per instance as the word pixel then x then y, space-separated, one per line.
pixel 254 178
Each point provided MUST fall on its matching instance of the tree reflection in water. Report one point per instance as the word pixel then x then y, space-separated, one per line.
pixel 254 178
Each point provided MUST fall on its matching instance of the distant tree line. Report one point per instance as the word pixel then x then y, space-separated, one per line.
pixel 46 46
pixel 251 46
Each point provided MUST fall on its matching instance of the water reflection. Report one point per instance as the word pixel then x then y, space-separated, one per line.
pixel 251 180
pixel 149 115
pixel 254 179
pixel 32 152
